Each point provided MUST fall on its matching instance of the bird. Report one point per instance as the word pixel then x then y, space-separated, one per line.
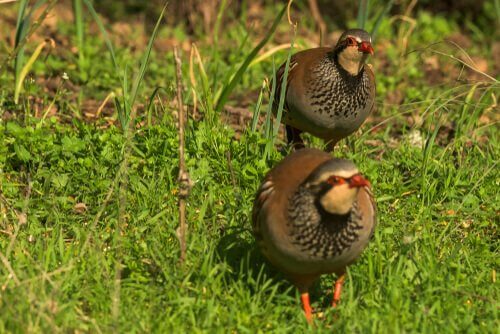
pixel 329 91
pixel 313 214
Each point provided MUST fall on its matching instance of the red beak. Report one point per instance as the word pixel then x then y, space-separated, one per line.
pixel 358 181
pixel 366 47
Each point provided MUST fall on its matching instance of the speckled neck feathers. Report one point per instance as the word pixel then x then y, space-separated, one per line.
pixel 334 92
pixel 317 232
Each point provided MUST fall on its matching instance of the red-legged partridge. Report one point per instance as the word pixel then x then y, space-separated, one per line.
pixel 313 215
pixel 330 92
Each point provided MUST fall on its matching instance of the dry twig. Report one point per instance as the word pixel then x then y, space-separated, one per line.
pixel 184 180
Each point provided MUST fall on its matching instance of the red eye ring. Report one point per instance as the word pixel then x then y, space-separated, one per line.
pixel 351 41
pixel 335 180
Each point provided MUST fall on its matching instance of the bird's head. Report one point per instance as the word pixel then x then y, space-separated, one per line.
pixel 353 48
pixel 336 184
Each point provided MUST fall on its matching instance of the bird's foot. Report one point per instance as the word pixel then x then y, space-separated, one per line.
pixel 306 306
pixel 337 290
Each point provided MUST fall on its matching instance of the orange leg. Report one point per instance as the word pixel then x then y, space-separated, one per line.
pixel 294 139
pixel 306 306
pixel 337 290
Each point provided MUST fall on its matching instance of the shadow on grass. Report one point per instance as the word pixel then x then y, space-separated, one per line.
pixel 240 252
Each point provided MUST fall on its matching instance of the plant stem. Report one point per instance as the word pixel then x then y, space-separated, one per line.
pixel 184 181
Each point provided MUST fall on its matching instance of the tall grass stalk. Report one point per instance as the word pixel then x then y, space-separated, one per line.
pixel 149 112
pixel 383 13
pixel 364 9
pixel 24 29
pixel 80 38
pixel 22 25
pixel 27 67
pixel 104 33
pixel 427 155
pixel 231 72
pixel 206 90
pixel 362 13
pixel 255 116
pixel 271 132
pixel 221 101
pixel 31 28
pixel 283 90
pixel 268 120
pixel 215 47
pixel 126 113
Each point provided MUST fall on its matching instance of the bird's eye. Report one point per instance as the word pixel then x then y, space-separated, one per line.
pixel 335 180
pixel 351 41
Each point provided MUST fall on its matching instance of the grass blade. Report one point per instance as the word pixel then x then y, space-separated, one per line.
pixel 283 91
pixel 380 17
pixel 362 13
pixel 267 123
pixel 230 73
pixel 229 88
pixel 215 50
pixel 104 33
pixel 21 29
pixel 205 86
pixel 156 93
pixel 32 28
pixel 80 37
pixel 145 58
pixel 124 115
pixel 256 113
pixel 22 25
pixel 24 71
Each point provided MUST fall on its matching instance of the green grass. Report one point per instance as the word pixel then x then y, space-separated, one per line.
pixel 68 224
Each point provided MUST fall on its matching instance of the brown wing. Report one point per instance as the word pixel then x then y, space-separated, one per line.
pixel 371 75
pixel 373 208
pixel 279 184
pixel 265 191
pixel 299 71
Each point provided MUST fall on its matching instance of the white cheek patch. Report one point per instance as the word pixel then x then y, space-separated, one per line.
pixel 338 200
pixel 358 40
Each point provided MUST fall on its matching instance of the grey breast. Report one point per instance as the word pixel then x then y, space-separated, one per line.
pixel 337 99
pixel 320 236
